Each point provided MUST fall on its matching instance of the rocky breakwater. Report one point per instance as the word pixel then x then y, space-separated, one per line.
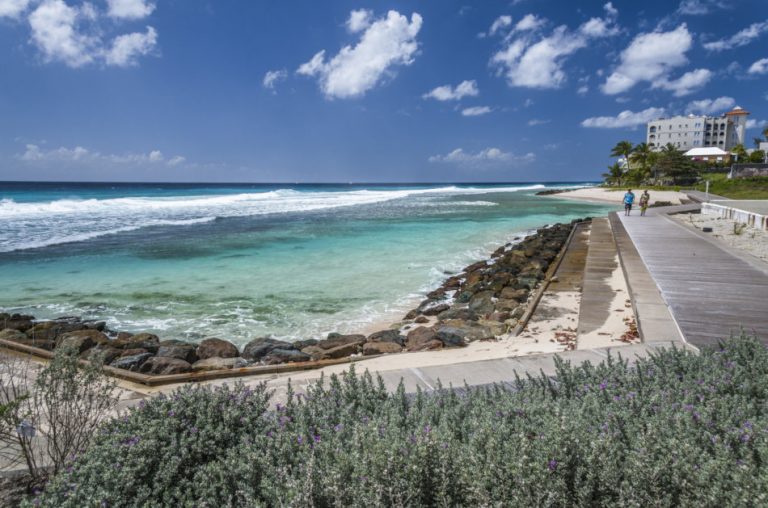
pixel 484 301
pixel 488 298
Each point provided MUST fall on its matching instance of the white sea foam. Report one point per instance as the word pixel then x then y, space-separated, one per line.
pixel 29 225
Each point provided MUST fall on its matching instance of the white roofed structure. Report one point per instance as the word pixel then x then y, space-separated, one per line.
pixel 709 151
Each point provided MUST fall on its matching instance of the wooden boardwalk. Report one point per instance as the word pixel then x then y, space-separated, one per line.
pixel 712 292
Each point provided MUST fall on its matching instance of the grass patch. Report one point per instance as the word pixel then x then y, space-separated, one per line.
pixel 737 188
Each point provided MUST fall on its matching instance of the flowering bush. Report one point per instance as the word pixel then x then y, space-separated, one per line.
pixel 674 429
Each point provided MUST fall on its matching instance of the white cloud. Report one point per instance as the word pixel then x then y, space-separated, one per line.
pixel 711 106
pixel 685 84
pixel 535 121
pixel 701 7
pixel 756 124
pixel 13 8
pixel 271 78
pixel 127 48
pixel 759 67
pixel 583 89
pixel 500 23
pixel 649 57
pixel 388 42
pixel 624 120
pixel 72 35
pixel 34 154
pixel 488 156
pixel 476 111
pixel 129 9
pixel 359 20
pixel 741 38
pixel 528 61
pixel 447 93
pixel 54 33
pixel 529 22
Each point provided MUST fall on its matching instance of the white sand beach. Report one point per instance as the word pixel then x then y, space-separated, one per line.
pixel 603 195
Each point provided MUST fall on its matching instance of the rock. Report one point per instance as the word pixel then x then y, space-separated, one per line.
pixel 16 322
pixel 393 336
pixel 183 351
pixel 214 347
pixel 381 348
pixel 335 340
pixel 434 310
pixel 50 330
pixel 217 363
pixel 422 339
pixel 131 363
pixel 450 336
pixel 280 355
pixel 495 327
pixel 527 282
pixel 499 316
pixel 160 366
pixel 421 320
pixel 506 305
pixel 96 325
pixel 301 344
pixel 174 342
pixel 132 352
pixel 468 331
pixel 105 354
pixel 411 314
pixel 457 312
pixel 147 341
pixel 123 335
pixel 13 334
pixel 482 303
pixel 259 348
pixel 341 351
pixel 82 340
pixel 314 351
pixel 512 293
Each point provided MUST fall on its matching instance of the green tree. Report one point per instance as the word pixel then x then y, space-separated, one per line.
pixel 623 149
pixel 740 152
pixel 642 156
pixel 675 166
pixel 757 156
pixel 614 175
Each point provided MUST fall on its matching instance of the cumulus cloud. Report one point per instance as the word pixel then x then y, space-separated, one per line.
pixel 488 156
pixel 500 23
pixel 756 124
pixel 711 106
pixel 13 8
pixel 448 93
pixel 649 57
pixel 34 154
pixel 127 48
pixel 67 34
pixel 624 120
pixel 532 61
pixel 701 7
pixel 271 78
pixel 685 84
pixel 387 42
pixel 759 67
pixel 476 111
pixel 535 121
pixel 129 9
pixel 741 38
pixel 359 20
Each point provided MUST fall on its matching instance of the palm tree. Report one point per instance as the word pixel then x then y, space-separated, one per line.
pixel 642 154
pixel 622 149
pixel 740 152
pixel 614 174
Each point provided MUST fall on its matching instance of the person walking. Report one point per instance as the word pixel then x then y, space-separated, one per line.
pixel 629 198
pixel 645 199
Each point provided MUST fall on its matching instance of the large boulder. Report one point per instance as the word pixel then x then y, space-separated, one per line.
pixel 335 340
pixel 512 293
pixel 180 351
pixel 148 341
pixel 261 347
pixel 214 347
pixel 104 354
pixel 434 310
pixel 457 312
pixel 50 330
pixel 18 322
pixel 217 363
pixel 381 348
pixel 301 344
pixel 392 336
pixel 341 351
pixel 482 303
pixel 132 362
pixel 81 340
pixel 422 339
pixel 22 338
pixel 161 366
pixel 458 333
pixel 279 355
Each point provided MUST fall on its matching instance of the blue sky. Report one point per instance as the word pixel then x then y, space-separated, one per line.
pixel 236 90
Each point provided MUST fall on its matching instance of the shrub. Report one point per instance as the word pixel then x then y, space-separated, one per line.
pixel 674 429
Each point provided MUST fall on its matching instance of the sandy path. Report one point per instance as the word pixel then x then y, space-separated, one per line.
pixel 602 195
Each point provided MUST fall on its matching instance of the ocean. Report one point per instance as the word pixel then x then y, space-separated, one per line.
pixel 243 261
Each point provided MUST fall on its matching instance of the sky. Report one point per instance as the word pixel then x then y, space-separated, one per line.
pixel 339 91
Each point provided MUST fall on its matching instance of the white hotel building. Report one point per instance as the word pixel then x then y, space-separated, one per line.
pixel 686 132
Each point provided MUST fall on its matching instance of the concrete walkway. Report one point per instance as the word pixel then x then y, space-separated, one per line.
pixel 710 290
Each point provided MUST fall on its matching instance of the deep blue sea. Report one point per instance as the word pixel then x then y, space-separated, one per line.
pixel 243 261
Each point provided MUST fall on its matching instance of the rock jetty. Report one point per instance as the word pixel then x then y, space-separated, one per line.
pixel 484 301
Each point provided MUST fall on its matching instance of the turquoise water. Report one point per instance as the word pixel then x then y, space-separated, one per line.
pixel 238 262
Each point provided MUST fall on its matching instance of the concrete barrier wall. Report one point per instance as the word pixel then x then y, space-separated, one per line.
pixel 745 212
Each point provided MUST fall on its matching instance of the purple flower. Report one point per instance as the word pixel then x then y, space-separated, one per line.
pixel 316 437
pixel 603 385
pixel 193 430
pixel 552 465
pixel 171 413
pixel 300 439
pixel 338 427
pixel 427 429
